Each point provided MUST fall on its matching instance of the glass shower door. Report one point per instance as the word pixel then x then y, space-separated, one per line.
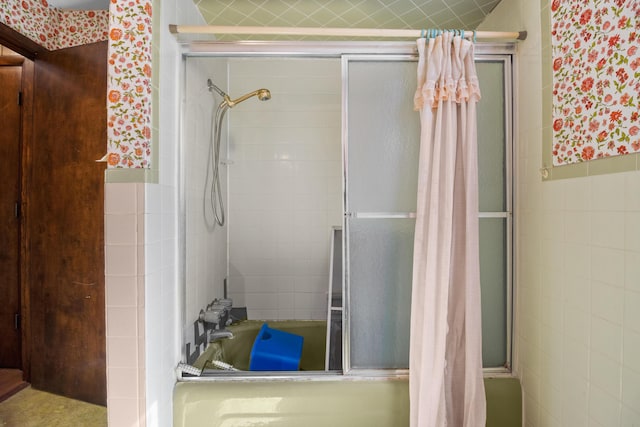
pixel 381 134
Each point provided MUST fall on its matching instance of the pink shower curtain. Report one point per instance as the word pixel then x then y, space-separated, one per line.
pixel 445 363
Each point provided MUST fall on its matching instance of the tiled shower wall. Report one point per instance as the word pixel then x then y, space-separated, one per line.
pixel 206 248
pixel 285 187
pixel 577 331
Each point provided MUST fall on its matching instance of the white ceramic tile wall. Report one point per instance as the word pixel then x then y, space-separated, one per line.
pixel 284 185
pixel 125 301
pixel 577 342
pixel 206 248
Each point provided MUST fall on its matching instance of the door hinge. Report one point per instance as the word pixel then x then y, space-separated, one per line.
pixel 17 320
pixel 17 210
pixel 19 98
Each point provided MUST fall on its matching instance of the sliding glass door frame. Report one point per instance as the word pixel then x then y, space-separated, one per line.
pixel 506 58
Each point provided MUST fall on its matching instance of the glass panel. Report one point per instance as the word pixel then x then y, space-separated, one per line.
pixel 382 177
pixel 380 259
pixel 384 137
pixel 493 279
pixel 491 137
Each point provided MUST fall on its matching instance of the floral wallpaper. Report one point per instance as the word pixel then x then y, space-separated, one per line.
pixel 54 28
pixel 596 79
pixel 129 84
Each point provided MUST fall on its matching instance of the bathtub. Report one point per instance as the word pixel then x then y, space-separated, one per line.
pixel 320 403
pixel 228 399
pixel 237 350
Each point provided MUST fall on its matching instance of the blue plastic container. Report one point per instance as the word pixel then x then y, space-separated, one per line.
pixel 275 350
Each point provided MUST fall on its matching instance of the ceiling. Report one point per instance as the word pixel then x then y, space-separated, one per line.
pixel 404 14
pixel 396 14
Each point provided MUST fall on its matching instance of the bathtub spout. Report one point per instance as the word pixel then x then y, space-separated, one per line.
pixel 220 334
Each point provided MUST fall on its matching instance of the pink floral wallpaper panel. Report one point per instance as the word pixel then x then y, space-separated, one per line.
pixel 129 84
pixel 78 27
pixel 596 79
pixel 54 28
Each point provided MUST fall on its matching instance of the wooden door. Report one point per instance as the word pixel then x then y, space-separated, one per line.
pixel 10 339
pixel 65 223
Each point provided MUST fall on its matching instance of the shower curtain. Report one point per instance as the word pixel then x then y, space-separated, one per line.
pixel 445 362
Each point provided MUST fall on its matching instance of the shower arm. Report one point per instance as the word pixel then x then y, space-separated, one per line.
pixel 210 85
pixel 262 94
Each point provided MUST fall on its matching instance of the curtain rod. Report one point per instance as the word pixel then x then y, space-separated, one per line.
pixel 331 32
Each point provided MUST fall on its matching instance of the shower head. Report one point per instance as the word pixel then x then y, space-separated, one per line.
pixel 262 94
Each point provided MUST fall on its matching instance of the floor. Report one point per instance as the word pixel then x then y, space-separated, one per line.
pixel 10 382
pixel 33 408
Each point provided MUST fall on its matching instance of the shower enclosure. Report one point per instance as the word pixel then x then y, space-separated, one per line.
pixel 335 148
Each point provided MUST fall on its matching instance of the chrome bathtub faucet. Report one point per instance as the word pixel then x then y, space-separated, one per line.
pixel 220 334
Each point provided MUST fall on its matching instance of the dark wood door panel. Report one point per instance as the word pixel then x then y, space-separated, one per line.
pixel 10 339
pixel 65 217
